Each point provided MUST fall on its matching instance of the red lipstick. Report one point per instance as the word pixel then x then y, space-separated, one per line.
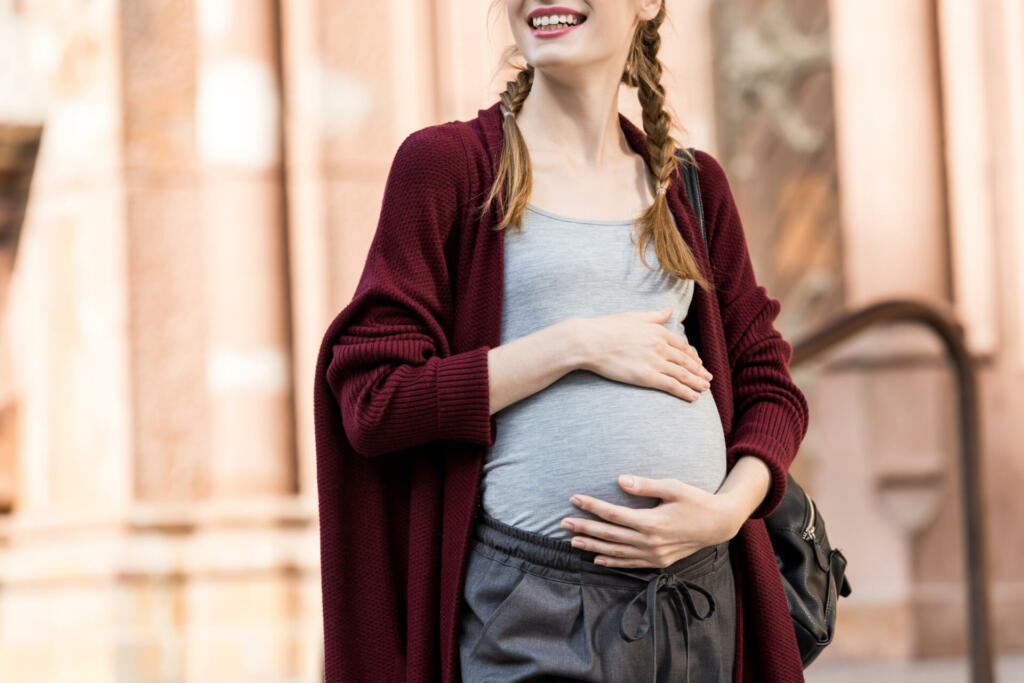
pixel 543 32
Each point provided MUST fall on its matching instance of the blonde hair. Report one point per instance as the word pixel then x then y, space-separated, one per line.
pixel 513 181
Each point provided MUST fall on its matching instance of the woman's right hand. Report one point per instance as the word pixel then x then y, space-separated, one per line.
pixel 635 347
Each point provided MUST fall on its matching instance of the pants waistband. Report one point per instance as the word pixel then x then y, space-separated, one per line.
pixel 559 554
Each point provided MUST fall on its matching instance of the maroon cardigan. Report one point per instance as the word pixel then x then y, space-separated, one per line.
pixel 402 410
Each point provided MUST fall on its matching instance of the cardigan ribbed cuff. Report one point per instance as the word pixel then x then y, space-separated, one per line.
pixel 766 431
pixel 464 397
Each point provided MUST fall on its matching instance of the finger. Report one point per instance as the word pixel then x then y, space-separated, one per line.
pixel 671 385
pixel 688 348
pixel 660 314
pixel 633 518
pixel 691 362
pixel 616 550
pixel 638 563
pixel 608 532
pixel 683 344
pixel 660 560
pixel 665 489
pixel 684 375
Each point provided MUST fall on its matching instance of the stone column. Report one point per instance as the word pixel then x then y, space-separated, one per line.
pixel 1013 155
pixel 885 400
pixel 982 57
pixel 244 249
pixel 305 95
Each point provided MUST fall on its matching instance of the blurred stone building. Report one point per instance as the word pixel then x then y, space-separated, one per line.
pixel 187 193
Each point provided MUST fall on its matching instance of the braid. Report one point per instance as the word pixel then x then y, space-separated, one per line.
pixel 644 71
pixel 517 90
pixel 656 121
pixel 514 179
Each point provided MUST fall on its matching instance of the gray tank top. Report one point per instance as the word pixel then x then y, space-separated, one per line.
pixel 581 432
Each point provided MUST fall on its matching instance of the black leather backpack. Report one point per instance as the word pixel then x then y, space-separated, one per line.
pixel 813 573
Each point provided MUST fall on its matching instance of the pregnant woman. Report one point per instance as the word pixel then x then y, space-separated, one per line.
pixel 546 440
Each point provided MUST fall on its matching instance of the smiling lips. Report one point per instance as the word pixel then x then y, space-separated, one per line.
pixel 554 21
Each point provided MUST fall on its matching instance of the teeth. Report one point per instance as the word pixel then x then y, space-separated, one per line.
pixel 555 21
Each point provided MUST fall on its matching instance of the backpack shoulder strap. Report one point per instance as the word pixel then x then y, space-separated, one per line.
pixel 692 185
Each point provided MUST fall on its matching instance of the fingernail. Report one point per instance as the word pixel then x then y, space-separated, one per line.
pixel 566 524
pixel 576 500
pixel 629 482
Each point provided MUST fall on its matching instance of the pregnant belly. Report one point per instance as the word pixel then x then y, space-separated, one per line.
pixel 582 432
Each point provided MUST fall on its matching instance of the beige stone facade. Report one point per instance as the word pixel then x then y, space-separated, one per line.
pixel 187 193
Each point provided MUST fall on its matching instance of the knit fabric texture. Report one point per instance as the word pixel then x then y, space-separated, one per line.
pixel 402 409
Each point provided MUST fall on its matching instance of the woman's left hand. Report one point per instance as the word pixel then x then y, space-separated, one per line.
pixel 687 519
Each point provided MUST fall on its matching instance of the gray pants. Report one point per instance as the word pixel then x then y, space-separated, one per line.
pixel 535 608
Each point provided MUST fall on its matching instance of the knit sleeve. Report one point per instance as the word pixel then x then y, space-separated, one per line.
pixel 395 380
pixel 770 412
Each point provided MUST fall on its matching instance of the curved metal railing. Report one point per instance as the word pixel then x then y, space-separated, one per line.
pixel 946 327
